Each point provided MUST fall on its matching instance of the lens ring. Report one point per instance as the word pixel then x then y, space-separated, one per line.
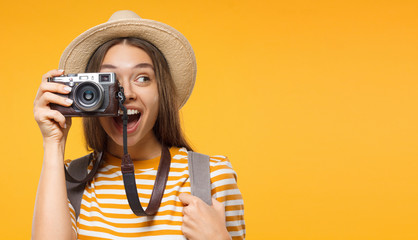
pixel 88 96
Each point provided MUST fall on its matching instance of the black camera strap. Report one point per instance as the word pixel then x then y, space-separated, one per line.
pixel 128 172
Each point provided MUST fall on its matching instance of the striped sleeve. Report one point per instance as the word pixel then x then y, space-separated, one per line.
pixel 225 190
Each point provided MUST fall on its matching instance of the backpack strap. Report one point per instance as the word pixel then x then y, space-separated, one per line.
pixel 199 171
pixel 77 169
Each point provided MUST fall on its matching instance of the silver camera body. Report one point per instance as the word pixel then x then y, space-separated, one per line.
pixel 93 94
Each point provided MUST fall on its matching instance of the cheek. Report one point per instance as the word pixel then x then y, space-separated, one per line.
pixel 153 101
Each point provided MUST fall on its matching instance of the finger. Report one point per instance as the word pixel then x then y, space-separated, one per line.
pixel 68 123
pixel 54 87
pixel 186 231
pixel 48 98
pixel 188 210
pixel 56 116
pixel 51 87
pixel 186 198
pixel 52 73
pixel 218 206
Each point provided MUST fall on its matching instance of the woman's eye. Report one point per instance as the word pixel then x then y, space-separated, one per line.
pixel 142 79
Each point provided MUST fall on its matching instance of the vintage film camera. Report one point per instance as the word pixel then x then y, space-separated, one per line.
pixel 94 94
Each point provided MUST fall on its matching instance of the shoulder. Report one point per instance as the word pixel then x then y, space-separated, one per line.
pixel 220 166
pixel 220 161
pixel 178 157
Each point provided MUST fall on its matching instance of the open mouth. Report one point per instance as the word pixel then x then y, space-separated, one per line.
pixel 133 120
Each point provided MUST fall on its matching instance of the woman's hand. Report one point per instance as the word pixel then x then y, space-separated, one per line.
pixel 51 204
pixel 201 221
pixel 54 126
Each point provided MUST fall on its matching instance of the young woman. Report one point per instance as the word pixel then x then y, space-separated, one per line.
pixel 156 66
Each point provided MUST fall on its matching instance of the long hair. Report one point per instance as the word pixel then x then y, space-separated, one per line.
pixel 167 128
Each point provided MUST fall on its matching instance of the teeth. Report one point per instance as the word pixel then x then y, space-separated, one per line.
pixel 130 112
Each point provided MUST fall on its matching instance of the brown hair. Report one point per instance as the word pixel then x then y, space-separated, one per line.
pixel 167 127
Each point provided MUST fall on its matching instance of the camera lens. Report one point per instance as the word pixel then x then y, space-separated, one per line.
pixel 88 96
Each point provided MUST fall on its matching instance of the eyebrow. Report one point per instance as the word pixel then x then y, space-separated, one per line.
pixel 141 65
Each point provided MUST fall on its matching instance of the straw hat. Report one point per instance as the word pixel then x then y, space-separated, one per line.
pixel 174 46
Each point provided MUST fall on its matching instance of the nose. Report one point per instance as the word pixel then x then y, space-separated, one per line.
pixel 127 90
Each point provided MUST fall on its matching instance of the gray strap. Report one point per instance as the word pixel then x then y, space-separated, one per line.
pixel 77 169
pixel 199 172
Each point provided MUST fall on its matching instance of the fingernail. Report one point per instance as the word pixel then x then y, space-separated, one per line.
pixel 67 88
pixel 61 70
pixel 69 100
pixel 65 125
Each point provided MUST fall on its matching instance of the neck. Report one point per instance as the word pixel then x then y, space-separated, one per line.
pixel 145 149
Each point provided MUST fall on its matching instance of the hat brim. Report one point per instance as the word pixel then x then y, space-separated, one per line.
pixel 173 45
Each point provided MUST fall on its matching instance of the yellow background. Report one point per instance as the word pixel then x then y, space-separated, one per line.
pixel 314 102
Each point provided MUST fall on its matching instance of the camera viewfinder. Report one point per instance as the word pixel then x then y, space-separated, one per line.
pixel 104 78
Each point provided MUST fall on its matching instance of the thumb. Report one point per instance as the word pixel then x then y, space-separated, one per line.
pixel 185 198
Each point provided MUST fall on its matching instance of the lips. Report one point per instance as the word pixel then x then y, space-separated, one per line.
pixel 134 117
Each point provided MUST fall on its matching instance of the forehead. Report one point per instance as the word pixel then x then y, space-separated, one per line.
pixel 125 55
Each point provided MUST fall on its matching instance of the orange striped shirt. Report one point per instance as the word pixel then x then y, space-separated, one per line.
pixel 105 212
